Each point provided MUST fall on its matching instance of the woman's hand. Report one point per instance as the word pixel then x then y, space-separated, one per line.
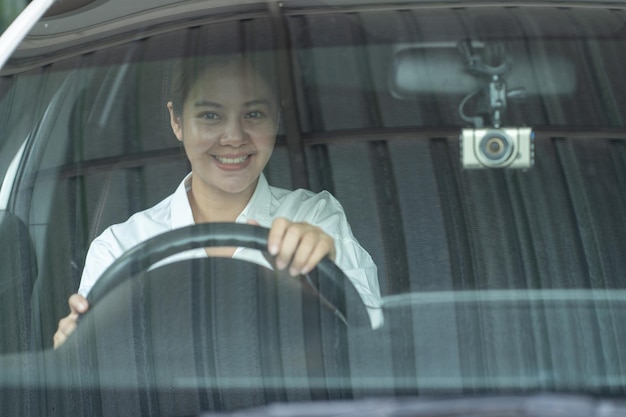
pixel 78 305
pixel 301 246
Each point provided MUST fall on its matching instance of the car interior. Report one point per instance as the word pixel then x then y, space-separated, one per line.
pixel 379 126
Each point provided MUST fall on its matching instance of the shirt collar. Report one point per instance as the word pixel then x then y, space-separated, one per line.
pixel 258 208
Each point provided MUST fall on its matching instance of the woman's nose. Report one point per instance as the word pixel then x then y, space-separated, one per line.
pixel 234 133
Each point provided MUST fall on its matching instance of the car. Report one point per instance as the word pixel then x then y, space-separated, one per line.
pixel 478 150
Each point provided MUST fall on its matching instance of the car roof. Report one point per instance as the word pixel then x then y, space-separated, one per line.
pixel 80 26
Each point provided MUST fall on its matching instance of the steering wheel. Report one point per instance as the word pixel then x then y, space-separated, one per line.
pixel 147 253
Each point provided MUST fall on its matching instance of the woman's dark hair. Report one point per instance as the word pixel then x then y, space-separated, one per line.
pixel 186 71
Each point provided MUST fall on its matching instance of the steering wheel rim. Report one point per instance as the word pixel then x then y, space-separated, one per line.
pixel 157 248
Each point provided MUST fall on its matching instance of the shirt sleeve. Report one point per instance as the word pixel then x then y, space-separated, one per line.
pixel 325 211
pixel 359 267
pixel 99 257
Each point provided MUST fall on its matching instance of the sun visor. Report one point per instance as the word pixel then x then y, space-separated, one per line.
pixel 417 70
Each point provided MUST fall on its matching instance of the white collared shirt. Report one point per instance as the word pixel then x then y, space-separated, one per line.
pixel 266 204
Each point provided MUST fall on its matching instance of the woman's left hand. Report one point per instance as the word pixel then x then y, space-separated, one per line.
pixel 298 245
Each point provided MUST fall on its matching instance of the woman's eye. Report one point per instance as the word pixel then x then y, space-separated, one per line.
pixel 255 115
pixel 209 116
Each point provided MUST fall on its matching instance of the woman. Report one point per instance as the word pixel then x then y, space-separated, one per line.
pixel 226 116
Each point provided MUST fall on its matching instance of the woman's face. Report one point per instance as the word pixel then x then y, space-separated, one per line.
pixel 228 128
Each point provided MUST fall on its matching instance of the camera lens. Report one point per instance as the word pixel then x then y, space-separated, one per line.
pixel 495 148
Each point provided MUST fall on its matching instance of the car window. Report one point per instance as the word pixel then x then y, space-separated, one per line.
pixel 477 153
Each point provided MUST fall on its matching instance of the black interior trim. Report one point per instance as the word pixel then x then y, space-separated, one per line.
pixel 139 159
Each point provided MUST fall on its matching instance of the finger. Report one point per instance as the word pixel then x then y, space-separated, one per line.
pixel 306 246
pixel 252 222
pixel 275 236
pixel 58 340
pixel 323 248
pixel 67 325
pixel 291 241
pixel 78 304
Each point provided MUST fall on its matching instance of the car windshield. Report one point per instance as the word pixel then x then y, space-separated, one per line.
pixel 467 162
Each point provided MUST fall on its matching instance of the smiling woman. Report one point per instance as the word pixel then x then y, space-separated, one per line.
pixel 124 120
pixel 226 116
pixel 230 113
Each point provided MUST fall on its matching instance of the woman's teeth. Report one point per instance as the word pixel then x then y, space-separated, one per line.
pixel 223 160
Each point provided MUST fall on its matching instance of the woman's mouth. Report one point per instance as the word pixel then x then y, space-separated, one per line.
pixel 232 163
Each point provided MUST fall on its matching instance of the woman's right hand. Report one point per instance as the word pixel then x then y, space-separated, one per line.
pixel 78 305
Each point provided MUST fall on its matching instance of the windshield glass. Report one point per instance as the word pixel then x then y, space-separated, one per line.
pixel 463 168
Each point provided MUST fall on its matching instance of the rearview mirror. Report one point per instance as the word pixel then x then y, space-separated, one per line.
pixel 443 70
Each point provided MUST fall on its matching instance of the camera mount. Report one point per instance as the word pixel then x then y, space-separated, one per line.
pixel 495 80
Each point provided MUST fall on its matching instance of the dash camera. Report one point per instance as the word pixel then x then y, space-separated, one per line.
pixel 497 148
